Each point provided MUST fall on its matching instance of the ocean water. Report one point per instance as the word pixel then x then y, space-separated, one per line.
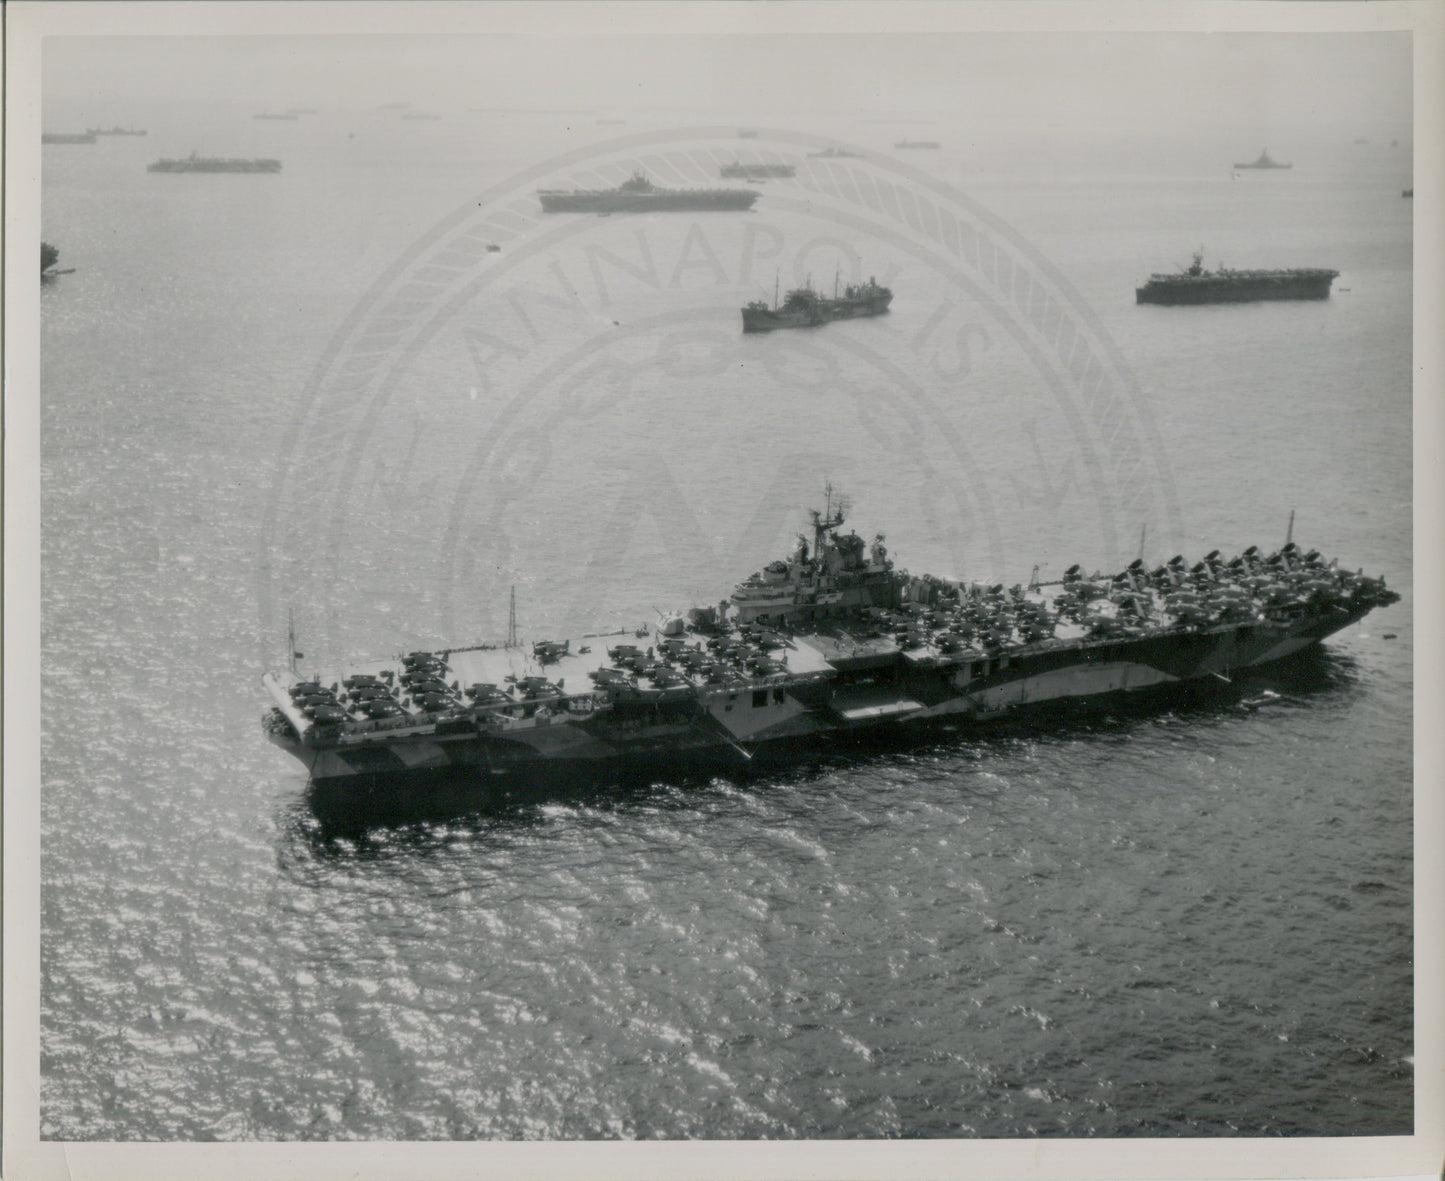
pixel 1172 920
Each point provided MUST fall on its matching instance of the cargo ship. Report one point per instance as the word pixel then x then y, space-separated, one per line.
pixel 637 194
pixel 1196 285
pixel 832 639
pixel 114 131
pixel 806 308
pixel 917 143
pixel 67 137
pixel 738 171
pixel 836 154
pixel 195 163
pixel 1264 161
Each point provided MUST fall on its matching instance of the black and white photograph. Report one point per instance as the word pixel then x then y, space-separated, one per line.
pixel 827 587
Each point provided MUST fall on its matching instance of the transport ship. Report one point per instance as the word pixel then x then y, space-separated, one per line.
pixel 117 130
pixel 806 308
pixel 195 163
pixel 67 137
pixel 831 639
pixel 1264 161
pixel 834 153
pixel 1197 285
pixel 637 194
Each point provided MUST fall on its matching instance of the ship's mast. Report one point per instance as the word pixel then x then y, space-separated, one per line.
pixel 512 621
pixel 1289 533
pixel 291 653
pixel 828 519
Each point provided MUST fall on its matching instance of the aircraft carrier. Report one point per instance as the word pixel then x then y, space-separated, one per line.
pixel 831 638
pixel 637 194
pixel 1197 285
pixel 195 163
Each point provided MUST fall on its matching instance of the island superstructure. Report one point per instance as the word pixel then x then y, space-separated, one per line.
pixel 831 638
pixel 1197 285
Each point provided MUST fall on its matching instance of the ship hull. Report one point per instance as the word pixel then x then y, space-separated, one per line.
pixel 899 695
pixel 1204 290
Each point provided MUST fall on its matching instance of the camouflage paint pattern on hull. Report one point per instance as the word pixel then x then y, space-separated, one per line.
pixel 882 697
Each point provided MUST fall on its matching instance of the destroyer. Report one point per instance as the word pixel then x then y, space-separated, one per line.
pixel 194 163
pixel 832 638
pixel 49 256
pixel 1264 161
pixel 806 308
pixel 1196 285
pixel 637 194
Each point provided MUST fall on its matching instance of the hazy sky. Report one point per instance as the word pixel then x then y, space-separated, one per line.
pixel 1285 85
